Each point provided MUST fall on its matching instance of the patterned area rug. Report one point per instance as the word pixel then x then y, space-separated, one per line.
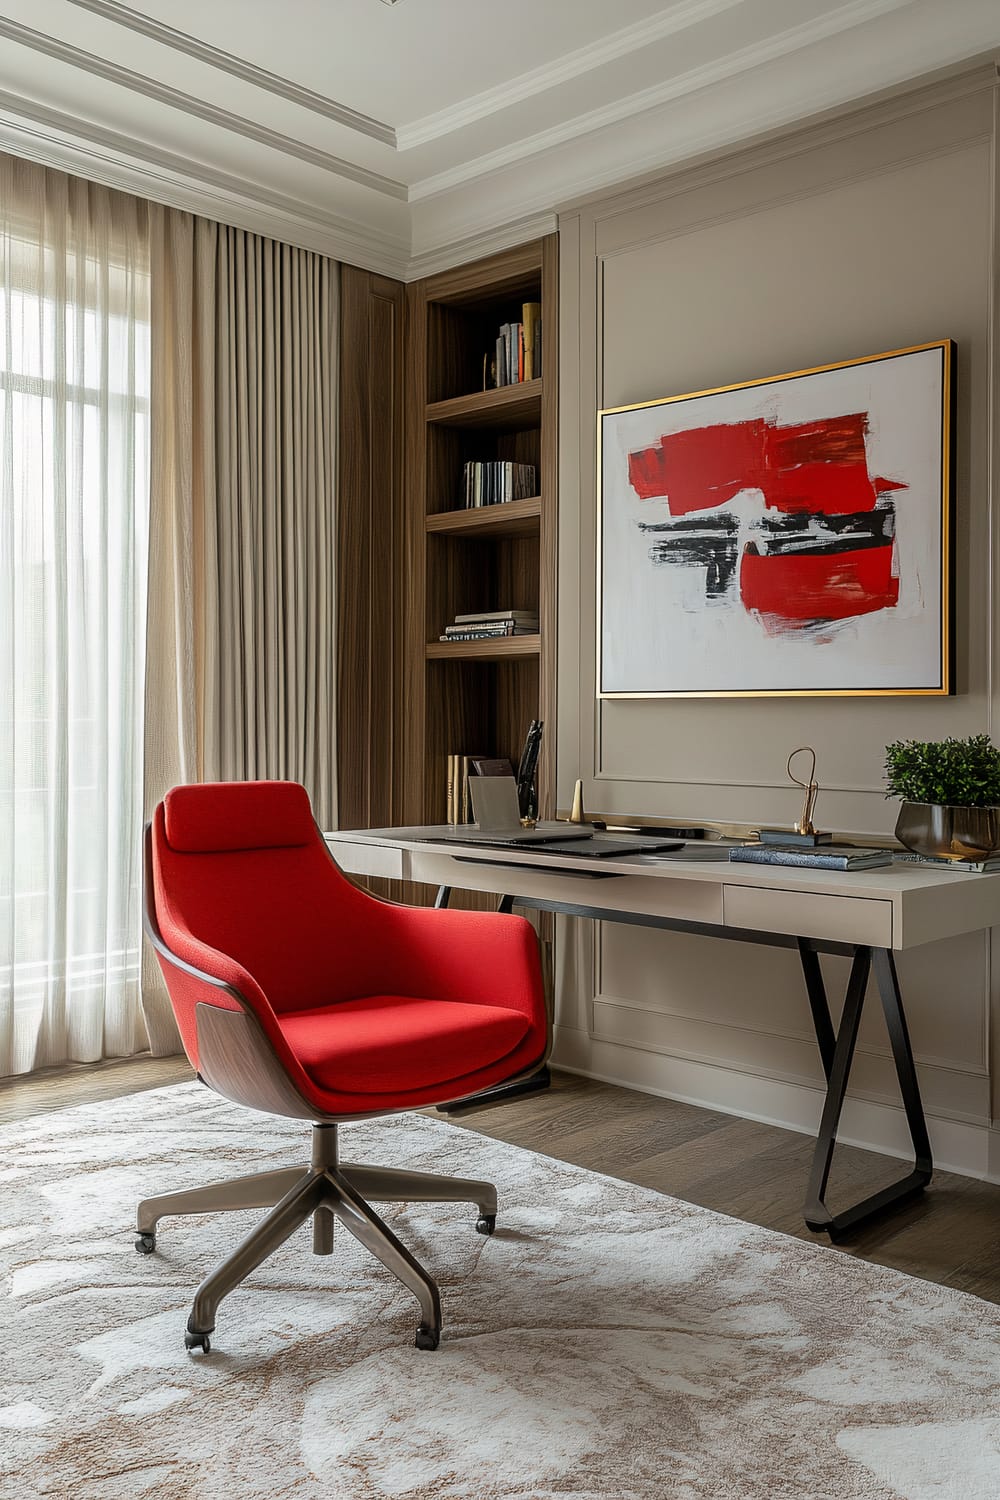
pixel 608 1341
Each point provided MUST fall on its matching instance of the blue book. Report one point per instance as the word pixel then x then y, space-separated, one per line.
pixel 826 857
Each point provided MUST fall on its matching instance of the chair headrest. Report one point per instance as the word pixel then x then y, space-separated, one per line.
pixel 219 817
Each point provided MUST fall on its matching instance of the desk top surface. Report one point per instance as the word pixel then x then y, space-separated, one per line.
pixel 883 882
pixel 894 905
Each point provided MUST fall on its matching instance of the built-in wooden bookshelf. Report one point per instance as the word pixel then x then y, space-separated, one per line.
pixel 478 697
pixel 516 518
pixel 511 648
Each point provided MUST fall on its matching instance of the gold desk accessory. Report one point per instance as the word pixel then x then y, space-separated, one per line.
pixel 804 833
pixel 577 814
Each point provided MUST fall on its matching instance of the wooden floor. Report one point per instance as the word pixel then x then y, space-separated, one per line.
pixel 755 1172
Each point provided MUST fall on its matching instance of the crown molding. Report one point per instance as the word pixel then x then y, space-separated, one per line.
pixel 505 197
pixel 459 252
pixel 571 65
pixel 758 54
pixel 754 116
pixel 785 142
pixel 237 67
pixel 59 140
pixel 212 114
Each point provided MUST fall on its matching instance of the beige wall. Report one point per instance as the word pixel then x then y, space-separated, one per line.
pixel 869 232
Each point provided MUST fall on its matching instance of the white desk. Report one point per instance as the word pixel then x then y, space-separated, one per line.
pixel 863 914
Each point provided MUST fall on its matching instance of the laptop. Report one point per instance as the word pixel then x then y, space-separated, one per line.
pixel 498 819
pixel 498 826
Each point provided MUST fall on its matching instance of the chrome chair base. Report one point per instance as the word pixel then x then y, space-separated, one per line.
pixel 327 1191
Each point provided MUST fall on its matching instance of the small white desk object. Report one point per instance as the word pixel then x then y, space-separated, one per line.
pixel 866 915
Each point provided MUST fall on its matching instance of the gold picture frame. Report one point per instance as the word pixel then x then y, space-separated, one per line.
pixel 811 449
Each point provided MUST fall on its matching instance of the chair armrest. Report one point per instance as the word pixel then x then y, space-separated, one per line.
pixel 205 976
pixel 484 958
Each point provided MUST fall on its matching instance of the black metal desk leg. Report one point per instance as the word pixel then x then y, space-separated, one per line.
pixel 817 1215
pixel 906 1072
pixel 818 1004
pixel 443 896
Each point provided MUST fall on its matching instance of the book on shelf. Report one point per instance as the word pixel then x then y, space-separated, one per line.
pixel 487 616
pixel 494 482
pixel 517 354
pixel 826 857
pixel 491 627
pixel 938 862
pixel 458 792
pixel 531 323
pixel 505 373
pixel 484 633
pixel 450 783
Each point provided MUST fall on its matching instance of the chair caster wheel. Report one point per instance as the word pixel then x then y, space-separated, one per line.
pixel 198 1341
pixel 486 1223
pixel 427 1337
pixel 145 1243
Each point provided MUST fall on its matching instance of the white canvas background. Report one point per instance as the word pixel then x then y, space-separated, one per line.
pixel 658 634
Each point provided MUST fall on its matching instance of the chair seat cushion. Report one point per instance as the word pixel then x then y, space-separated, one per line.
pixel 395 1044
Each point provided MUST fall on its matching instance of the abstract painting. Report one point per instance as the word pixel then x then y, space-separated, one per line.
pixel 782 536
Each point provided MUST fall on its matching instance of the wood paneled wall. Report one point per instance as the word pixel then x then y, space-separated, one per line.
pixel 370 552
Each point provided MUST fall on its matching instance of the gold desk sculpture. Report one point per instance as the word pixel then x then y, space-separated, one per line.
pixel 803 833
pixel 805 824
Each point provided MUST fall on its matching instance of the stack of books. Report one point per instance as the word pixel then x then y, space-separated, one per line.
pixel 496 482
pixel 488 623
pixel 518 355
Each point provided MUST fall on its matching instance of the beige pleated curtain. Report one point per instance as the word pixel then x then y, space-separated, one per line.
pixel 240 672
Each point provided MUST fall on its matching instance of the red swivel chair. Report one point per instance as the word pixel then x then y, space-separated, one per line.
pixel 299 994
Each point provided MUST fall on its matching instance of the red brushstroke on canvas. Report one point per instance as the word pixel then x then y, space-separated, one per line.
pixel 700 468
pixel 817 467
pixel 802 586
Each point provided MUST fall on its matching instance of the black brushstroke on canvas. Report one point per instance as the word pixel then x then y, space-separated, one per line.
pixel 710 542
pixel 816 534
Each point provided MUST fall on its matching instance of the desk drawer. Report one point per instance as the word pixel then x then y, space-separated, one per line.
pixel 841 919
pixel 367 859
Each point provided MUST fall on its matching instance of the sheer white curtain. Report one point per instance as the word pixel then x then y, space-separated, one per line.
pixel 74 415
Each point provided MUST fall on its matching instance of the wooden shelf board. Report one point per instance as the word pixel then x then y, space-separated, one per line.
pixel 503 647
pixel 510 406
pixel 511 518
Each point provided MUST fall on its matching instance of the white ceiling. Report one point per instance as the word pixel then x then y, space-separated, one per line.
pixel 406 134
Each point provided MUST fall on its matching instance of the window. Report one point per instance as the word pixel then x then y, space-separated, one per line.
pixel 74 435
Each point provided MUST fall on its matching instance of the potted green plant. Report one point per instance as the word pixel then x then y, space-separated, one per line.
pixel 950 790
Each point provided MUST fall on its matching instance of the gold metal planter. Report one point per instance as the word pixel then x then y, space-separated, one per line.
pixel 944 832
